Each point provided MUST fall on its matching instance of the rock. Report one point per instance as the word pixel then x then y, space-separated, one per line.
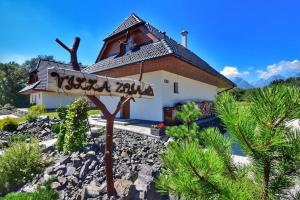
pixel 42 118
pixel 93 190
pixel 103 188
pixel 65 160
pixel 48 149
pixel 126 189
pixel 70 171
pixel 90 155
pixel 76 162
pixel 124 154
pixel 62 181
pixel 59 167
pixel 84 170
pixel 3 144
pixel 56 185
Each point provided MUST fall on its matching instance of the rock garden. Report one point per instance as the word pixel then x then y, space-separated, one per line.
pixel 73 166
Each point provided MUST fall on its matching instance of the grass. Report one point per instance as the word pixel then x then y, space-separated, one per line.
pixel 94 112
pixel 53 114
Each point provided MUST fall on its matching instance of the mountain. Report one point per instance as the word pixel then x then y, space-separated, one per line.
pixel 241 83
pixel 264 82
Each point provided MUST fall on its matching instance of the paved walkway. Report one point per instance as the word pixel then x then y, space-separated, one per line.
pixel 139 128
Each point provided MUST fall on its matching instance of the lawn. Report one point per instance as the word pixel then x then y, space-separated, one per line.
pixel 53 114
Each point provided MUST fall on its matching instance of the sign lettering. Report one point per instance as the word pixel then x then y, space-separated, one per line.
pixel 75 82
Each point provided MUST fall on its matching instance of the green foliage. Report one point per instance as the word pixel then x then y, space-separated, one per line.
pixel 31 64
pixel 292 81
pixel 61 137
pixel 18 164
pixel 55 128
pixel 94 112
pixel 76 126
pixel 18 138
pixel 12 79
pixel 8 124
pixel 187 115
pixel 34 112
pixel 201 166
pixel 45 192
pixel 62 112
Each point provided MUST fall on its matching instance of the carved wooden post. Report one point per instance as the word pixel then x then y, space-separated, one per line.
pixel 110 117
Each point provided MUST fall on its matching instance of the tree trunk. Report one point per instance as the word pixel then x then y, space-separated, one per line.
pixel 267 166
pixel 108 156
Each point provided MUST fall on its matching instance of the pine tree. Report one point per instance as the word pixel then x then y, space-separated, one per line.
pixel 201 166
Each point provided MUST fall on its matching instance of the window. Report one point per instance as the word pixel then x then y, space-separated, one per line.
pixel 166 81
pixel 176 87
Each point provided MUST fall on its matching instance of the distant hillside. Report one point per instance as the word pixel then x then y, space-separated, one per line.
pixel 265 82
pixel 241 83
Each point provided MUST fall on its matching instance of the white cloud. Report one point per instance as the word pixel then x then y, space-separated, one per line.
pixel 284 68
pixel 233 72
pixel 18 58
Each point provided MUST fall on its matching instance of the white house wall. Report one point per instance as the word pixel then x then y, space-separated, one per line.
pixel 188 90
pixel 52 100
pixel 146 109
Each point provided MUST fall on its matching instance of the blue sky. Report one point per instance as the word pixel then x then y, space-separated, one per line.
pixel 251 38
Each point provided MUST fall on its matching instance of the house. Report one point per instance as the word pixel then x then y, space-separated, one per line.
pixel 178 74
pixel 36 86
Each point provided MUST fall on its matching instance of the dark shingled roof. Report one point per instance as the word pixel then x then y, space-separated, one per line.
pixel 165 46
pixel 131 21
pixel 42 68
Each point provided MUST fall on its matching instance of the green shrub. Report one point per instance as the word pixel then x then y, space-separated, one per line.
pixel 55 128
pixel 45 192
pixel 18 164
pixel 34 112
pixel 18 138
pixel 62 112
pixel 8 124
pixel 61 137
pixel 76 125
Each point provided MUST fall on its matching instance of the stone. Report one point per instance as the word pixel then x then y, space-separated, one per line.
pixel 93 190
pixel 76 162
pixel 90 155
pixel 65 160
pixel 84 170
pixel 70 171
pixel 55 185
pixel 3 144
pixel 62 181
pixel 124 154
pixel 126 189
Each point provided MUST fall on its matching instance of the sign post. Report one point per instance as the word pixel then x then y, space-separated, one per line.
pixel 77 82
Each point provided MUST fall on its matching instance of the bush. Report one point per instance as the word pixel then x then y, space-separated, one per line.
pixel 18 138
pixel 61 137
pixel 201 165
pixel 55 128
pixel 8 124
pixel 76 126
pixel 45 192
pixel 62 112
pixel 34 112
pixel 18 164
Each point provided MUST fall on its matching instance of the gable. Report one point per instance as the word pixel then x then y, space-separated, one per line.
pixel 137 36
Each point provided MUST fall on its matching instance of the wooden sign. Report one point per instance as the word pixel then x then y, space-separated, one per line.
pixel 76 82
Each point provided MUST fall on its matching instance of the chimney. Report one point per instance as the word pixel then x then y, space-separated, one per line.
pixel 184 34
